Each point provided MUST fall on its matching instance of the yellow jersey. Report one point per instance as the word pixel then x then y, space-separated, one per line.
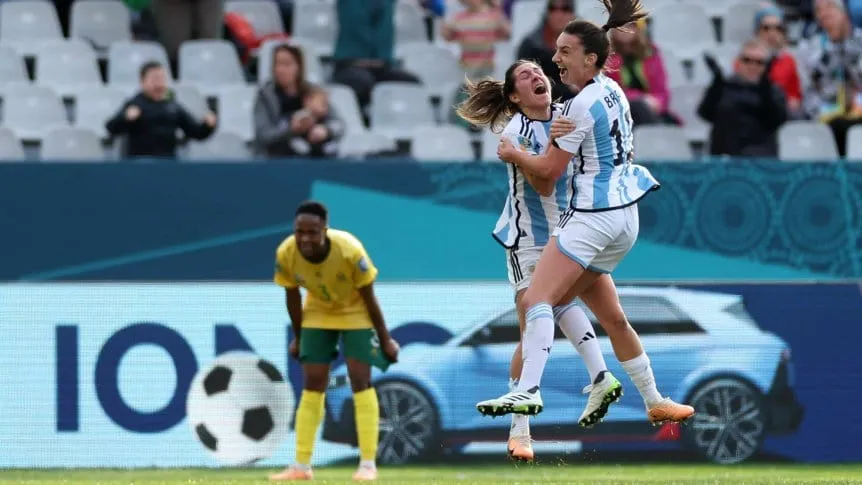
pixel 332 301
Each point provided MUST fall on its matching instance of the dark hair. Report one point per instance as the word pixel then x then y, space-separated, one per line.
pixel 149 66
pixel 296 52
pixel 488 103
pixel 594 38
pixel 313 208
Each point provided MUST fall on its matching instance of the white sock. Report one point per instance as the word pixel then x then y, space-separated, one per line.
pixel 641 374
pixel 520 422
pixel 302 466
pixel 537 342
pixel 578 329
pixel 367 464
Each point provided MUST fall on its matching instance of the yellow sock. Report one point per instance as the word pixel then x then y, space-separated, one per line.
pixel 367 414
pixel 308 418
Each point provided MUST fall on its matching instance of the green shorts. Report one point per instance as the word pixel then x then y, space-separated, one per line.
pixel 319 346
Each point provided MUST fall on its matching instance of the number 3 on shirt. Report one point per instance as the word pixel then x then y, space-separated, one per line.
pixel 325 293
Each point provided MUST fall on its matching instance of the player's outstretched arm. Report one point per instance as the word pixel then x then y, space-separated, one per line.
pixel 387 343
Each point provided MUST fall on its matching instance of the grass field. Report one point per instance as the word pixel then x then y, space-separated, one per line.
pixel 466 475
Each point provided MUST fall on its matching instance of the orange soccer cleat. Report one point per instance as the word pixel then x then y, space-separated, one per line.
pixel 293 473
pixel 521 448
pixel 365 474
pixel 668 411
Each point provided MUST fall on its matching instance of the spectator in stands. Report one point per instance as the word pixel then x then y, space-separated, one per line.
pixel 151 118
pixel 833 58
pixel 477 29
pixel 541 44
pixel 637 66
pixel 364 49
pixel 181 20
pixel 745 110
pixel 770 29
pixel 292 117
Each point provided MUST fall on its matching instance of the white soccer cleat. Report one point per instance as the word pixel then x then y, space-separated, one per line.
pixel 527 402
pixel 604 391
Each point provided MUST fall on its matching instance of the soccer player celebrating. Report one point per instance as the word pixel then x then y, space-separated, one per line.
pixel 338 275
pixel 520 106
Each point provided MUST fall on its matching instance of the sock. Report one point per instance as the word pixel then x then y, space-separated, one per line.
pixel 308 418
pixel 367 412
pixel 537 342
pixel 578 329
pixel 641 374
pixel 520 422
pixel 367 464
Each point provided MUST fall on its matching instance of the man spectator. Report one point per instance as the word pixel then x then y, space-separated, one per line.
pixel 364 50
pixel 151 118
pixel 746 109
pixel 541 44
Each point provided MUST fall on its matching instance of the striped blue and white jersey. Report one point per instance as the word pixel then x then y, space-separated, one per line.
pixel 604 175
pixel 528 219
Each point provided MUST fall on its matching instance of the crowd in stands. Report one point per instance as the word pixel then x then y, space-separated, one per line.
pixel 274 79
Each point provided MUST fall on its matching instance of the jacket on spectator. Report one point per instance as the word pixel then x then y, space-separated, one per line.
pixel 745 117
pixel 154 132
pixel 650 72
pixel 785 75
pixel 835 71
pixel 273 136
pixel 366 30
pixel 533 48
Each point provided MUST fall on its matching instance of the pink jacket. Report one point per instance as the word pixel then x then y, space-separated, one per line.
pixel 653 72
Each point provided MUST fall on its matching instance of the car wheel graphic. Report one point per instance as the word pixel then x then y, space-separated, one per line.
pixel 729 422
pixel 408 424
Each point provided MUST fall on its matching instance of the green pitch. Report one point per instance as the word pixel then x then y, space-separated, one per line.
pixel 466 475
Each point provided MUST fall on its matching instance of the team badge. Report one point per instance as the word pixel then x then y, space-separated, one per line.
pixel 525 144
pixel 362 264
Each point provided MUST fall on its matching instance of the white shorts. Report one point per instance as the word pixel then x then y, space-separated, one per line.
pixel 521 263
pixel 598 241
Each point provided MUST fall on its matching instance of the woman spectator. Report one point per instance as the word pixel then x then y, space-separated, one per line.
pixel 746 109
pixel 541 44
pixel 638 68
pixel 770 29
pixel 292 117
pixel 477 29
pixel 832 60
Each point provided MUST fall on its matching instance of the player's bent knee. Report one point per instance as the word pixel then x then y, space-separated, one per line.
pixel 615 324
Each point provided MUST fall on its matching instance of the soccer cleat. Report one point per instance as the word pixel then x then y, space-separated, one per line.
pixel 293 473
pixel 518 402
pixel 604 391
pixel 668 411
pixel 520 448
pixel 365 474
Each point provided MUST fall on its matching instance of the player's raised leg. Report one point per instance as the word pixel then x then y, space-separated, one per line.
pixel 317 349
pixel 602 299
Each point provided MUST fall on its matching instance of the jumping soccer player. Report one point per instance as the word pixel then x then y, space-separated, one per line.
pixel 339 277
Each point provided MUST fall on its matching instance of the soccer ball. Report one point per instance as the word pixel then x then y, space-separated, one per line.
pixel 239 408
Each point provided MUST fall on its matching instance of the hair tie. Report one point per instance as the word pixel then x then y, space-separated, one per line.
pixel 606 27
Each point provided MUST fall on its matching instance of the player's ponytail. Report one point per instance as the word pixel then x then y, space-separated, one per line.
pixel 488 104
pixel 594 38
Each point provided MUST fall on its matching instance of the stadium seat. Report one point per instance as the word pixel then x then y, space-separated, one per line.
pixel 30 111
pixel 526 17
pixel 95 106
pixel 235 111
pixel 191 99
pixel 409 23
pixel 125 60
pixel 490 141
pixel 25 24
pixel 316 21
pixel 398 108
pixel 441 143
pixel 100 23
pixel 684 101
pixel 437 67
pixel 504 55
pixel 220 147
pixel 802 141
pixel 715 8
pixel 683 27
pixel 71 144
pixel 361 144
pixel 263 15
pixel 67 66
pixel 737 23
pixel 210 65
pixel 310 54
pixel 11 149
pixel 854 144
pixel 661 143
pixel 12 67
pixel 674 68
pixel 343 99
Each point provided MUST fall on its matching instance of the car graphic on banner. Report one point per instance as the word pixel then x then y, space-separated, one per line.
pixel 705 350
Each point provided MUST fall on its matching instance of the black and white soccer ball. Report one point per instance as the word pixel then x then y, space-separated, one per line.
pixel 239 408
